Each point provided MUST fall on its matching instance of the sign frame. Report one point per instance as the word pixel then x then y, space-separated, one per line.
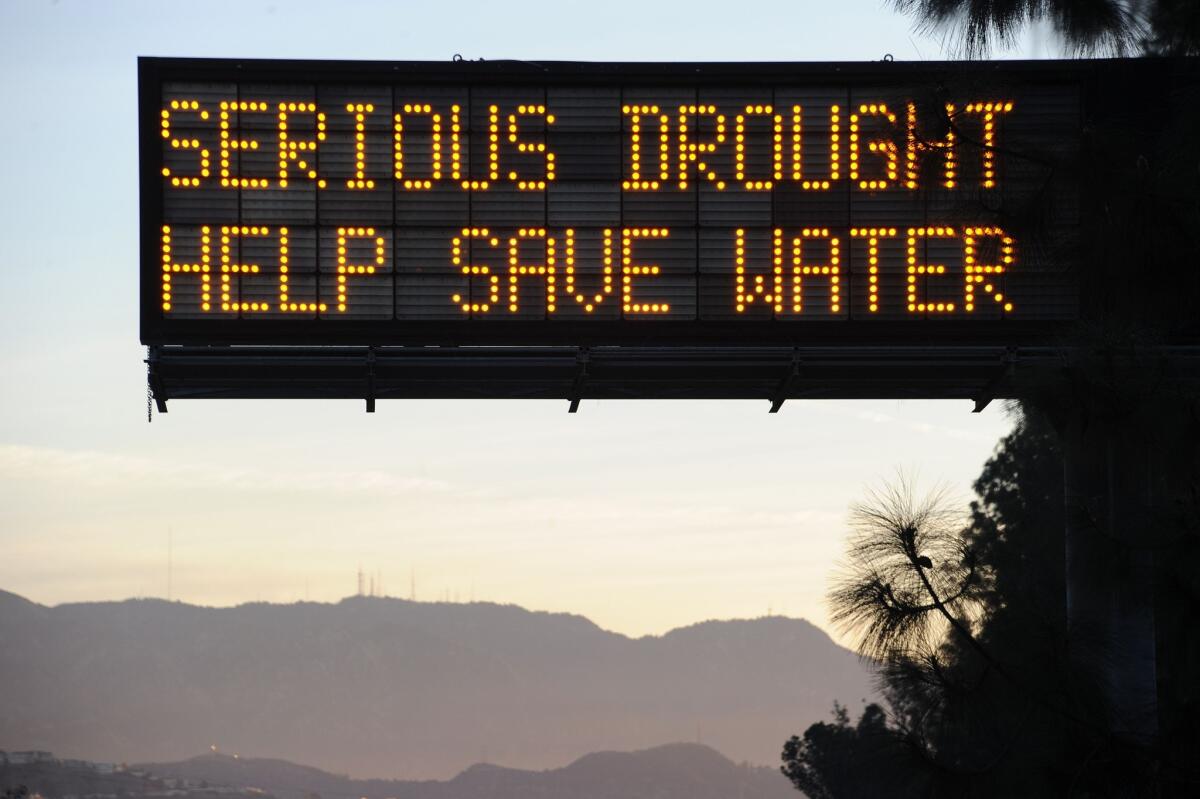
pixel 155 331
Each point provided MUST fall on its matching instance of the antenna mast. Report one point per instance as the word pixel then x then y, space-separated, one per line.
pixel 170 555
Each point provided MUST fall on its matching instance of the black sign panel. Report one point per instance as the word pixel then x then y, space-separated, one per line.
pixel 514 203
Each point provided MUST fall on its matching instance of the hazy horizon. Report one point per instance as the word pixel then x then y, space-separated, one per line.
pixel 660 558
pixel 773 613
pixel 391 688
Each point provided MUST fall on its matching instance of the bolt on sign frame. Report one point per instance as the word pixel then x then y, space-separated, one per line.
pixel 572 230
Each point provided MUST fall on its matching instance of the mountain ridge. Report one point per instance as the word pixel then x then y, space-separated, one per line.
pixel 672 770
pixel 17 599
pixel 400 688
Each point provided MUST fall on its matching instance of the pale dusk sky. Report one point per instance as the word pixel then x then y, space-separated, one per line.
pixel 641 516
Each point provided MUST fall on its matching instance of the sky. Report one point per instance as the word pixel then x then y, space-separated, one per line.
pixel 642 516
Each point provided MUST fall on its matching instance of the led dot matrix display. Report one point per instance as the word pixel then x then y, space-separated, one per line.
pixel 334 196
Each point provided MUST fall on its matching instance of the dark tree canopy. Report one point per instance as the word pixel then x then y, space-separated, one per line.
pixel 1085 27
pixel 989 706
pixel 839 759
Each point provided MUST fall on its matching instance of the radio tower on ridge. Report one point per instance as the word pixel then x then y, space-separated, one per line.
pixel 170 557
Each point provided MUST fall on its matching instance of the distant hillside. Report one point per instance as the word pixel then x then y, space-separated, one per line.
pixel 57 779
pixel 389 687
pixel 676 771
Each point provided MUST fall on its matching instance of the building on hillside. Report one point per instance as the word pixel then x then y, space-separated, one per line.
pixel 32 756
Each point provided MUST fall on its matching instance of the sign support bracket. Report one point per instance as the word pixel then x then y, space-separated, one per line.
pixel 581 364
pixel 370 393
pixel 157 388
pixel 787 383
pixel 1008 363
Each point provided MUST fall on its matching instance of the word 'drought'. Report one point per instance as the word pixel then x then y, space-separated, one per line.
pixel 873 146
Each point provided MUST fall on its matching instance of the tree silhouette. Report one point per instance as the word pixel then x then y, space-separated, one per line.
pixel 909 576
pixel 844 759
pixel 966 624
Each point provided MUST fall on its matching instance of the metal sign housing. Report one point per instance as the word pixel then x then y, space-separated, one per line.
pixel 445 218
